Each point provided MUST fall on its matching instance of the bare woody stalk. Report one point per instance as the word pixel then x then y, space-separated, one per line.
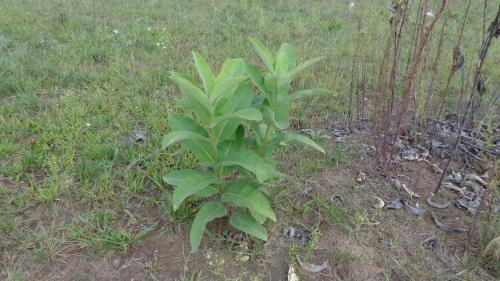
pixel 413 70
pixel 453 67
pixel 435 69
pixel 354 75
pixel 398 33
pixel 494 31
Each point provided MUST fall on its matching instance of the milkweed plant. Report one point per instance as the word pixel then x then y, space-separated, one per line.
pixel 239 118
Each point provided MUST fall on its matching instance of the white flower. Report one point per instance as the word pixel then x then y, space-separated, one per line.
pixel 148 29
pixel 87 125
pixel 116 31
pixel 430 14
pixel 351 5
pixel 164 29
pixel 157 44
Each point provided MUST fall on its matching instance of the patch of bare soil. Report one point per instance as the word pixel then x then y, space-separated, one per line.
pixel 372 244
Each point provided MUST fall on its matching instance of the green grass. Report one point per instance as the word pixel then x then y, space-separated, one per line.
pixel 78 80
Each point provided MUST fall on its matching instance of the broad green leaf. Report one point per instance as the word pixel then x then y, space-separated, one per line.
pixel 226 86
pixel 285 59
pixel 208 191
pixel 283 87
pixel 251 162
pixel 231 68
pixel 197 98
pixel 188 182
pixel 208 212
pixel 264 53
pixel 310 92
pixel 244 194
pixel 256 77
pixel 271 83
pixel 281 115
pixel 304 66
pixel 205 72
pixel 235 144
pixel 245 222
pixel 176 136
pixel 281 63
pixel 243 114
pixel 202 149
pixel 302 139
pixel 258 217
pixel 241 99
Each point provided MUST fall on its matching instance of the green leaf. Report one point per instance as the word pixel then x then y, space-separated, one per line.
pixel 208 212
pixel 197 98
pixel 310 92
pixel 188 182
pixel 258 217
pixel 208 191
pixel 264 53
pixel 241 99
pixel 205 72
pixel 176 136
pixel 281 115
pixel 271 83
pixel 234 144
pixel 251 162
pixel 245 222
pixel 202 149
pixel 304 66
pixel 302 139
pixel 256 77
pixel 285 59
pixel 243 114
pixel 283 87
pixel 244 194
pixel 231 68
pixel 226 86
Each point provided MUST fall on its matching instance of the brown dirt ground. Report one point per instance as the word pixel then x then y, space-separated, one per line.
pixel 380 245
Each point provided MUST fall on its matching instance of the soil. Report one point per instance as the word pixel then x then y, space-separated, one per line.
pixel 375 244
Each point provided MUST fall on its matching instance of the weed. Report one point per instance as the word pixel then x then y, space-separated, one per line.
pixel 217 137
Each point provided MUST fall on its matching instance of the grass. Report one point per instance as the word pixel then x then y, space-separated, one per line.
pixel 79 79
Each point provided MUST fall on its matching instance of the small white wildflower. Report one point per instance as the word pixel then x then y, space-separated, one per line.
pixel 116 31
pixel 157 44
pixel 148 29
pixel 87 125
pixel 430 14
pixel 164 29
pixel 351 5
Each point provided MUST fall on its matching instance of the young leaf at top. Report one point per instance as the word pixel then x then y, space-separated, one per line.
pixel 196 97
pixel 225 86
pixel 304 66
pixel 188 182
pixel 246 223
pixel 231 68
pixel 208 212
pixel 285 59
pixel 205 72
pixel 264 53
pixel 256 77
